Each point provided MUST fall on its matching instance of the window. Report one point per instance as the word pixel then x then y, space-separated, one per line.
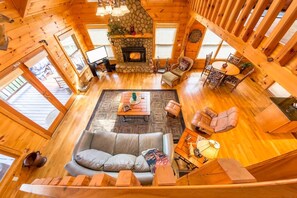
pixel 5 164
pixel 71 47
pixel 211 43
pixel 278 91
pixel 225 50
pixel 98 35
pixel 164 40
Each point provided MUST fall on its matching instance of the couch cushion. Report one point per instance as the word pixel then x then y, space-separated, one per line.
pixel 141 165
pixel 150 140
pixel 103 141
pixel 177 71
pixel 92 159
pixel 126 144
pixel 222 124
pixel 120 162
pixel 213 122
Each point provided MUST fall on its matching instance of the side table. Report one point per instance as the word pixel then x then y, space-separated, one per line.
pixel 182 149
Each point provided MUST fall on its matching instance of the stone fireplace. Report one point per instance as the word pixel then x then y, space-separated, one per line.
pixel 132 50
pixel 134 54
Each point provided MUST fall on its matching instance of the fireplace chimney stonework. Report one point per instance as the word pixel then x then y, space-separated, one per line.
pixel 143 24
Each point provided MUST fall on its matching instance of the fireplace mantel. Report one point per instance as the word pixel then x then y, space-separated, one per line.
pixel 146 35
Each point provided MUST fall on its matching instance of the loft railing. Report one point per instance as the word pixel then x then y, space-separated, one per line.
pixel 237 23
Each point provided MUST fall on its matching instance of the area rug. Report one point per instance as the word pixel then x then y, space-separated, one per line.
pixel 105 119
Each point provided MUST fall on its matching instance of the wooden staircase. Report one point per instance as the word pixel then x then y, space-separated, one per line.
pixel 220 171
pixel 275 177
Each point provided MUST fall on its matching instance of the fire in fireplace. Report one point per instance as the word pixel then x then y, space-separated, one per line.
pixel 134 54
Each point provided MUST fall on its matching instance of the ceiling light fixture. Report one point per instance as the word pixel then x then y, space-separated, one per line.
pixel 115 8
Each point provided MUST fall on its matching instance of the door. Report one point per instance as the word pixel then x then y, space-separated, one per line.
pixel 36 90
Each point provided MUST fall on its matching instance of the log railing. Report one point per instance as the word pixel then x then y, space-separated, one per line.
pixel 235 21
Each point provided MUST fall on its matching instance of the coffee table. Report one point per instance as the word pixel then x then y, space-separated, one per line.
pixel 142 108
pixel 182 149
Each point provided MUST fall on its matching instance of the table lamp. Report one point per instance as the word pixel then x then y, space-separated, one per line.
pixel 208 148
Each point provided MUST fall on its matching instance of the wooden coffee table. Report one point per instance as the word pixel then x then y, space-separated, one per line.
pixel 141 109
pixel 182 148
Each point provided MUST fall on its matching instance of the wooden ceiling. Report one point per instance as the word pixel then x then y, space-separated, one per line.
pixel 32 7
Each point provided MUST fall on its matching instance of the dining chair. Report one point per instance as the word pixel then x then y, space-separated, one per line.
pixel 234 59
pixel 234 81
pixel 207 65
pixel 215 78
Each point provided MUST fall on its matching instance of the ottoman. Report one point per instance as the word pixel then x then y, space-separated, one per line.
pixel 173 108
pixel 170 79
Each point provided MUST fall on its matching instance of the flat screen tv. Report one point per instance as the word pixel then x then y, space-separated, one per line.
pixel 96 54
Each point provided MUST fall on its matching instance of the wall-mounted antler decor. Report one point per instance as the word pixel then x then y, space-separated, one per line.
pixel 3 37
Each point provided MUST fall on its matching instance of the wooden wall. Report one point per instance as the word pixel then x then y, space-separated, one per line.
pixel 25 34
pixel 166 12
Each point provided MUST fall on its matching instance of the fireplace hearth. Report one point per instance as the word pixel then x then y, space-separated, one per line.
pixel 134 54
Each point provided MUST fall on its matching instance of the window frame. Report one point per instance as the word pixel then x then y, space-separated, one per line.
pixel 10 172
pixel 165 25
pixel 100 26
pixel 215 53
pixel 65 34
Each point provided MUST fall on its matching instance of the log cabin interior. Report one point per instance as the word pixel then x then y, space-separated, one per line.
pixel 49 88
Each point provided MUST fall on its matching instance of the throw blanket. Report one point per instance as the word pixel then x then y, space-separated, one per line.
pixel 155 157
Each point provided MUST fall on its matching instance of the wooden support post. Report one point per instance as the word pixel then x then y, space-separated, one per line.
pixel 81 180
pixel 47 181
pixel 234 14
pixel 281 29
pixel 204 9
pixel 197 2
pixel 218 4
pixel 210 8
pixel 38 181
pixel 243 16
pixel 164 176
pixel 218 171
pixel 66 181
pixel 199 7
pixel 226 15
pixel 102 180
pixel 127 178
pixel 288 51
pixel 265 24
pixel 221 12
pixel 55 181
pixel 253 20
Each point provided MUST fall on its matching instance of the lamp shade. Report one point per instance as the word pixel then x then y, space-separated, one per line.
pixel 208 148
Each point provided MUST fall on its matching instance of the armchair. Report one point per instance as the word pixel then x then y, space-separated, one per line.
pixel 182 67
pixel 209 121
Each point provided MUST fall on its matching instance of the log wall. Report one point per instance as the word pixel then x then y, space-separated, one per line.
pixel 25 34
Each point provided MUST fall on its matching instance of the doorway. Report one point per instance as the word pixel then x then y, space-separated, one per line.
pixel 35 88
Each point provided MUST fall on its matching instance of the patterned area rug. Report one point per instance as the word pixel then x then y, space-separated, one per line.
pixel 104 117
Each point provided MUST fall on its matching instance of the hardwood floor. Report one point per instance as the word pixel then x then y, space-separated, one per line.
pixel 246 143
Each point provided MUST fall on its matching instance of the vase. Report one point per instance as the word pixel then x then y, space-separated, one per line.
pixel 134 96
pixel 225 65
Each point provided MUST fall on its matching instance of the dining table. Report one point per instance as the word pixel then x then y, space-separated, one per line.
pixel 230 70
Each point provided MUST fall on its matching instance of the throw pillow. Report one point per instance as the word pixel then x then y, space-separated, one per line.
pixel 184 64
pixel 141 165
pixel 92 158
pixel 155 157
pixel 120 162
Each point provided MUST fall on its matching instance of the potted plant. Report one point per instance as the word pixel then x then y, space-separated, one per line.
pixel 245 65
